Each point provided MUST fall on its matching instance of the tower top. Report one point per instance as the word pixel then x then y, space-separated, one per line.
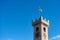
pixel 40 20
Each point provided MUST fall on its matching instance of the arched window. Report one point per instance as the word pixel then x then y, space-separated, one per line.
pixel 37 29
pixel 44 29
pixel 37 32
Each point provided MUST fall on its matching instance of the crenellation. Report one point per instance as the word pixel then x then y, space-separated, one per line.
pixel 48 22
pixel 42 20
pixel 45 19
pixel 37 20
pixel 40 28
pixel 33 22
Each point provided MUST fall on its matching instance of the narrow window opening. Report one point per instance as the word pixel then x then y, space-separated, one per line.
pixel 37 32
pixel 44 29
pixel 37 29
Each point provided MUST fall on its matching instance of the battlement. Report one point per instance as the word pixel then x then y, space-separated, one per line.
pixel 40 20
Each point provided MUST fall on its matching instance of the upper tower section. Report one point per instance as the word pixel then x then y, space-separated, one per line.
pixel 41 20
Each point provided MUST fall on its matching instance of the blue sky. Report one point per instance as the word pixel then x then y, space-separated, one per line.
pixel 16 18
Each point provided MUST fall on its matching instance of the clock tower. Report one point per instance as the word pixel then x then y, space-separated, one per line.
pixel 40 28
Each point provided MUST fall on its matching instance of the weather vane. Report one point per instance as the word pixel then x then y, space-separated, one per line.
pixel 40 8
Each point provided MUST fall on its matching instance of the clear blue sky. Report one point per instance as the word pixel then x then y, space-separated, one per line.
pixel 16 18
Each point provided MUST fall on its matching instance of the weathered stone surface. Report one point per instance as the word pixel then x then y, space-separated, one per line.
pixel 40 28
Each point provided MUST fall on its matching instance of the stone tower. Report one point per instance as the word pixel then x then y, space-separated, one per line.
pixel 40 29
